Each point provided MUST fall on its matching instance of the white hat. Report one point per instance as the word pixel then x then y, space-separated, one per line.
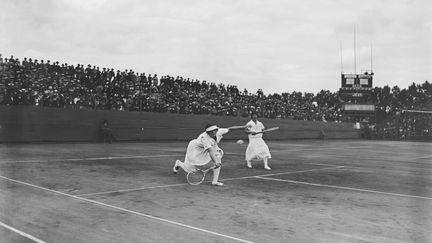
pixel 211 128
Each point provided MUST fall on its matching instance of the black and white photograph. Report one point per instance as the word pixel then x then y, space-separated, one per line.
pixel 129 121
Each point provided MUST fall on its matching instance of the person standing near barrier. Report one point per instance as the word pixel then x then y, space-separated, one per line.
pixel 106 131
pixel 257 149
pixel 204 152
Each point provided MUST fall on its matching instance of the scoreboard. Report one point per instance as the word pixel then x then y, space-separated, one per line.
pixel 356 85
pixel 356 91
pixel 356 80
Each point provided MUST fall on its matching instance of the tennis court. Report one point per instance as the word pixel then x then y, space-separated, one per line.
pixel 317 191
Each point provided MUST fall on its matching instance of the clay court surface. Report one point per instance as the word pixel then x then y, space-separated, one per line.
pixel 317 191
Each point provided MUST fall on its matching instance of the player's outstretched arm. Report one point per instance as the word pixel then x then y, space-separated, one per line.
pixel 236 127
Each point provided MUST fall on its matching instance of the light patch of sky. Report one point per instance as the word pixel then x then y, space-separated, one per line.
pixel 278 46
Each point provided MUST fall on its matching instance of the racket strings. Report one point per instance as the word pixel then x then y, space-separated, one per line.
pixel 195 178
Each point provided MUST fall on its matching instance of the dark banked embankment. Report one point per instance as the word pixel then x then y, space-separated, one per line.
pixel 43 124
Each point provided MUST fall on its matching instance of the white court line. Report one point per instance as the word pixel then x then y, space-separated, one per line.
pixel 296 150
pixel 320 164
pixel 385 160
pixel 318 148
pixel 183 184
pixel 301 171
pixel 351 237
pixel 344 188
pixel 130 190
pixel 281 173
pixel 424 157
pixel 368 148
pixel 128 211
pixel 320 145
pixel 22 233
pixel 89 159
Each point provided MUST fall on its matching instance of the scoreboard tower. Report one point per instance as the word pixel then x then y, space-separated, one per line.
pixel 356 91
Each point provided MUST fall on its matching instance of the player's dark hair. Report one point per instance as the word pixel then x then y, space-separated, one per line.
pixel 207 126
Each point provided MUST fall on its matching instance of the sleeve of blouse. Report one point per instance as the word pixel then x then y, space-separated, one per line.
pixel 223 131
pixel 207 143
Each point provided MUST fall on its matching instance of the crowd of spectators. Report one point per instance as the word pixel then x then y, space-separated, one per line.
pixel 406 125
pixel 403 113
pixel 54 84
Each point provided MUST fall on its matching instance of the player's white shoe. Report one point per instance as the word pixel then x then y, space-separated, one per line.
pixel 249 164
pixel 217 183
pixel 176 167
pixel 267 168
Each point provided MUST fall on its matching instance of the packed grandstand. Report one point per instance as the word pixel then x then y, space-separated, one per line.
pixel 53 84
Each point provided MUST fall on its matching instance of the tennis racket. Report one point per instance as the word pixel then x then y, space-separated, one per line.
pixel 269 130
pixel 197 177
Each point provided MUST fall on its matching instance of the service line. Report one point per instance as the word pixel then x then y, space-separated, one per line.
pixel 343 187
pixel 88 159
pixel 183 184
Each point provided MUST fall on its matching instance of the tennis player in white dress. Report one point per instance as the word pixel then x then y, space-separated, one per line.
pixel 204 152
pixel 257 149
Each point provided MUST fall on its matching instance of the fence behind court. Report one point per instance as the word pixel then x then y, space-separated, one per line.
pixel 44 124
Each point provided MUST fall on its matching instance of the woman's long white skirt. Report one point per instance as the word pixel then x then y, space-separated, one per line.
pixel 257 149
pixel 197 156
